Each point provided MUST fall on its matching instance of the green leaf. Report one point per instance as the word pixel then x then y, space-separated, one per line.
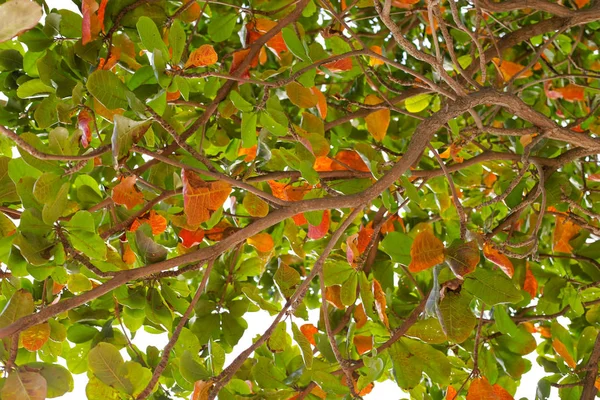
pixel 90 244
pixel 150 36
pixel 286 278
pixel 55 207
pixel 157 311
pixel 492 287
pixel 304 344
pixel 221 27
pixel 150 251
pixel 336 272
pixel 277 342
pixel 348 291
pixel 249 136
pixel 105 362
pixel 126 133
pixel 58 379
pixel 268 375
pixel 294 44
pixel 462 257
pixel 20 305
pixel 33 88
pixel 108 89
pixel 177 40
pixel 417 103
pixel 397 245
pixel 192 368
pixel 240 103
pixel 456 317
pixel 254 296
pixel 23 385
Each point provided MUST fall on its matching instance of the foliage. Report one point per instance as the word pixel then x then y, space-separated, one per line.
pixel 409 188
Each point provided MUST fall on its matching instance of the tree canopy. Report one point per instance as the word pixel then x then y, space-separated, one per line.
pixel 424 173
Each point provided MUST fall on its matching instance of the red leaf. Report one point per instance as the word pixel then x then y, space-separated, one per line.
pixel 317 232
pixel 499 259
pixel 89 24
pixel 84 121
pixel 191 238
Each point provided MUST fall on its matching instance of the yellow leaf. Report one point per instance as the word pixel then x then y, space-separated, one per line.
pixel 377 121
pixel 301 96
pixel 203 56
pixel 426 251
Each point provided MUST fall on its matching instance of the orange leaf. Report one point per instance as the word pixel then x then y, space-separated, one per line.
pixel 105 112
pixel 345 64
pixel 220 231
pixel 157 222
pixel 200 197
pixel 481 389
pixel 363 343
pixel 101 11
pixel 128 254
pixel 333 296
pixel 364 238
pixel 202 390
pixel 349 159
pixel 426 251
pixel 172 96
pixel 203 56
pixel 404 3
pixel 499 259
pixel 321 103
pixel 191 238
pixel 84 122
pixel 57 288
pixel 571 92
pixel 508 69
pixel 318 232
pixel 489 179
pixel 322 164
pixel 377 121
pixel 88 8
pixel 238 58
pixel 594 177
pixel 309 330
pixel 501 393
pixel 34 337
pixel 125 193
pixel 301 96
pixel 564 231
pixel 191 13
pixel 531 284
pixel 366 390
pixel 451 393
pixel 263 242
pixel 380 303
pixel 299 219
pixel 562 351
pixel 249 152
pixel 359 316
pixel 351 249
pixel 545 332
pixel 388 226
pixel 108 64
pixel 287 192
pixel 581 3
pixel 375 61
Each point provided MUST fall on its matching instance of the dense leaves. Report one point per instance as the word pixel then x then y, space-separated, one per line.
pixel 401 190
